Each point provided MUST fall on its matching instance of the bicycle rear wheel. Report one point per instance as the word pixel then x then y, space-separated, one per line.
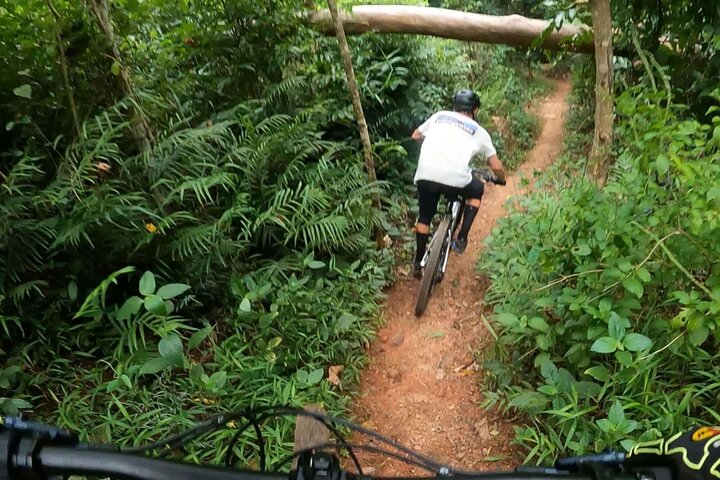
pixel 309 432
pixel 431 267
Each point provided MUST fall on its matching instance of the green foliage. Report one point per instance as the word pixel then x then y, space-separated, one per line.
pixel 227 262
pixel 609 301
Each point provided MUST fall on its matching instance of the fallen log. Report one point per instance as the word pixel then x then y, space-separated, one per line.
pixel 514 30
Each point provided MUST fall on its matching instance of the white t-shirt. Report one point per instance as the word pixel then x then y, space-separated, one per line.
pixel 451 141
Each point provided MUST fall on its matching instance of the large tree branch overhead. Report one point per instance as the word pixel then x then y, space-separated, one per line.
pixel 512 30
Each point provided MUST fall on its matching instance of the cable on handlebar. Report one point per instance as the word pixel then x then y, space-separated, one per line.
pixel 214 422
pixel 360 446
pixel 325 421
pixel 252 421
pixel 258 415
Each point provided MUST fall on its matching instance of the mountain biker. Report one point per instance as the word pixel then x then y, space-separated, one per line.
pixel 450 140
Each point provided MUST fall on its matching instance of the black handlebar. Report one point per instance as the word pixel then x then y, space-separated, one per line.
pixel 125 466
pixel 35 452
pixel 50 461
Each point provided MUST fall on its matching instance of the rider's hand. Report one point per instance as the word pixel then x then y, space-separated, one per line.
pixel 498 181
pixel 693 455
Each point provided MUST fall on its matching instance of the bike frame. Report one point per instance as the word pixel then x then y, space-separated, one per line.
pixel 452 209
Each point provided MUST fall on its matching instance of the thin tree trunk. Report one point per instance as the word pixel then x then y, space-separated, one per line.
pixel 357 105
pixel 604 101
pixel 141 128
pixel 514 30
pixel 64 68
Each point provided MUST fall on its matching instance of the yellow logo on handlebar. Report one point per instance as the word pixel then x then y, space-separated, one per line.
pixel 703 433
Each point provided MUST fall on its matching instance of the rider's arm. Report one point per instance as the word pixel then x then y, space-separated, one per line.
pixel 421 132
pixel 487 150
pixel 497 167
pixel 417 136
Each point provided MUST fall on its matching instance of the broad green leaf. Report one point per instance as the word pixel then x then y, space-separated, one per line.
pixel 346 320
pixel 315 264
pixel 633 286
pixel 598 372
pixel 219 379
pixel 315 376
pixel 274 342
pixel 539 323
pixel 586 389
pixel 699 335
pixel 196 373
pixel 171 349
pixel 616 414
pixel 605 425
pixel 582 250
pixel 72 290
pixel 605 305
pixel 616 327
pixel 662 164
pixel 147 283
pixel 548 370
pixel 506 319
pixel 636 342
pixel 19 403
pixel 625 358
pixel 129 308
pixel 643 274
pixel 172 290
pixel 245 306
pixel 170 345
pixel 529 401
pixel 714 192
pixel 604 345
pixel 115 68
pixel 197 338
pixel 154 365
pixel 628 444
pixel 24 91
pixel 549 390
pixel 156 305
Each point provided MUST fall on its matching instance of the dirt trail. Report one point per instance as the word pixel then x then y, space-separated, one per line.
pixel 421 387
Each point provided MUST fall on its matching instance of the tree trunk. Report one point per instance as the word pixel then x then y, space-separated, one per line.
pixel 604 101
pixel 139 124
pixel 512 30
pixel 64 68
pixel 357 105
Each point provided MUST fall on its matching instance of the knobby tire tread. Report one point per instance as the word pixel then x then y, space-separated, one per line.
pixel 430 273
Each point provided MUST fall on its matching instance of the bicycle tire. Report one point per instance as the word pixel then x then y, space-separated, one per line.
pixel 430 273
pixel 309 431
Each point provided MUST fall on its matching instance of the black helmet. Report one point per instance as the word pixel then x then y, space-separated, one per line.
pixel 465 101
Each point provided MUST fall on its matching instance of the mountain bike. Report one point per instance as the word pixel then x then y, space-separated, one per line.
pixel 34 451
pixel 435 260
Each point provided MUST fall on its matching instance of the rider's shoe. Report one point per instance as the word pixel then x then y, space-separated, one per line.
pixel 459 245
pixel 417 270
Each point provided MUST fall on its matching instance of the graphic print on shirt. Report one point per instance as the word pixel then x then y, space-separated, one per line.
pixel 447 119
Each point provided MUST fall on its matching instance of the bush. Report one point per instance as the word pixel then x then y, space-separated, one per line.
pixel 608 302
